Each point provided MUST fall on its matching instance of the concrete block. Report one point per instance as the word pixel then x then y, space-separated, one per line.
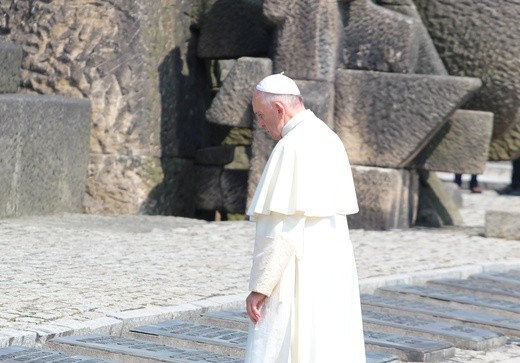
pixel 377 39
pixel 386 198
pixel 232 29
pixel 476 38
pixel 221 189
pixel 386 119
pixel 428 59
pixel 318 96
pixel 44 145
pixel 215 155
pixel 503 223
pixel 461 146
pixel 436 206
pixel 232 104
pixel 10 65
pixel 306 37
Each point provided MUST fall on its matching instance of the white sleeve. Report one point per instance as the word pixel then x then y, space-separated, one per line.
pixel 277 241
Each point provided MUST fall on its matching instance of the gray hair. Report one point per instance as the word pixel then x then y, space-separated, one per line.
pixel 289 100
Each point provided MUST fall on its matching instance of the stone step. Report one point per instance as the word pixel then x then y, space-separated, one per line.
pixel 10 65
pixel 464 337
pixel 453 299
pixel 131 350
pixel 497 323
pixel 509 279
pixel 194 335
pixel 237 319
pixel 408 349
pixel 492 290
pixel 402 323
pixel 232 319
pixel 213 338
pixel 25 354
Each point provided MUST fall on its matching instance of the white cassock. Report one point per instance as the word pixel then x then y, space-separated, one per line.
pixel 303 258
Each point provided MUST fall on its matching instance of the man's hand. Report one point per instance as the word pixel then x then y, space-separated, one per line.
pixel 254 303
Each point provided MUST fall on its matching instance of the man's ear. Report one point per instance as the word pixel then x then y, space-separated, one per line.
pixel 280 109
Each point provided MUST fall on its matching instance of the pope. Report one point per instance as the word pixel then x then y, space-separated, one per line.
pixel 304 303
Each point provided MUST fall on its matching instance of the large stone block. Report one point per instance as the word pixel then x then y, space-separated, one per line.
pixel 436 206
pixel 377 39
pixel 318 96
pixel 476 38
pixel 10 64
pixel 503 223
pixel 232 104
pixel 159 185
pixel 428 59
pixel 43 154
pixel 307 37
pixel 387 198
pixel 386 119
pixel 461 146
pixel 220 189
pixel 137 63
pixel 231 28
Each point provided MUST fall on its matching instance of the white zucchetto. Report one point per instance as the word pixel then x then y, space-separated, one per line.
pixel 278 84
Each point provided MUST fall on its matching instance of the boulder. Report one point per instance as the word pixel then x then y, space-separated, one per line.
pixel 10 64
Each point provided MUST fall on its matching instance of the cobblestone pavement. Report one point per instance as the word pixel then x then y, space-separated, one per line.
pixel 58 270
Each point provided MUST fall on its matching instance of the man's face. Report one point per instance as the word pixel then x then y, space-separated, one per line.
pixel 268 117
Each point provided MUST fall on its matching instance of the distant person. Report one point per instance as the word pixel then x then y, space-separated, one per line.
pixel 473 183
pixel 304 303
pixel 514 187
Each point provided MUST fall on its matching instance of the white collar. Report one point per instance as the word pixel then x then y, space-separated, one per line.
pixel 294 121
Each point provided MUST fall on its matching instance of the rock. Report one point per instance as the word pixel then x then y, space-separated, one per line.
pixel 10 64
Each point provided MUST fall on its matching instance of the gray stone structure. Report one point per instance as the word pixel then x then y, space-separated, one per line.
pixel 477 38
pixel 170 82
pixel 10 62
pixel 43 146
pixel 43 154
pixel 136 62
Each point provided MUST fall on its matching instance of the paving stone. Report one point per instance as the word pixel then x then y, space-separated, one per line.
pixel 34 355
pixel 123 348
pixel 461 336
pixel 221 335
pixel 510 278
pixel 479 288
pixel 507 326
pixel 380 357
pixel 232 319
pixel 454 299
pixel 193 335
pixel 407 348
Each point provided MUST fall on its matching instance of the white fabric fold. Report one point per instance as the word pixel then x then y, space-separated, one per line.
pixel 277 240
pixel 308 173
